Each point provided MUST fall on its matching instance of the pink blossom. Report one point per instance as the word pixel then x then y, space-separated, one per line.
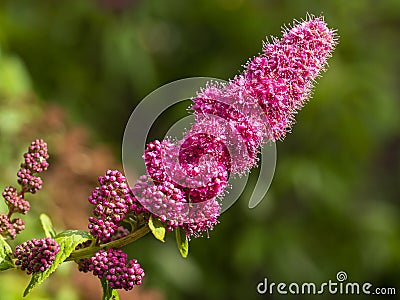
pixel 233 121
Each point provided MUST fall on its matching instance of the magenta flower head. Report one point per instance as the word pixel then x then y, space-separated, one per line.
pixel 232 122
pixel 114 266
pixel 112 201
pixel 36 255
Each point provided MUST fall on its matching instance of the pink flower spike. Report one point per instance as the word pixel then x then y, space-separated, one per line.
pixel 282 77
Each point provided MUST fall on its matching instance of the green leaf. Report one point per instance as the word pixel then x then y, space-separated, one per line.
pixel 6 264
pixel 67 240
pixel 5 249
pixel 157 228
pixel 75 234
pixel 47 226
pixel 182 241
pixel 108 292
pixel 5 255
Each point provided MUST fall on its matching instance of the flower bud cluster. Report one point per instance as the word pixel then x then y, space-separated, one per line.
pixel 10 228
pixel 36 255
pixel 35 161
pixel 15 201
pixel 114 266
pixel 112 201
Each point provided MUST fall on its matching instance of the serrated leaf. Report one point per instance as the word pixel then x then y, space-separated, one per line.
pixel 47 226
pixel 67 240
pixel 182 241
pixel 157 228
pixel 108 292
pixel 74 233
pixel 5 255
pixel 5 265
pixel 5 249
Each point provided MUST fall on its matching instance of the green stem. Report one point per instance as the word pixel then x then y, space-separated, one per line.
pixel 88 252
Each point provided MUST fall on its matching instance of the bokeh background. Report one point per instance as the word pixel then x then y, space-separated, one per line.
pixel 72 71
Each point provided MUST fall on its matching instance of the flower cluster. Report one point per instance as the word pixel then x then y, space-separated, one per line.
pixel 176 198
pixel 36 255
pixel 15 201
pixel 36 157
pixel 35 161
pixel 179 165
pixel 12 227
pixel 29 182
pixel 113 265
pixel 164 200
pixel 202 217
pixel 231 115
pixel 112 200
pixel 233 121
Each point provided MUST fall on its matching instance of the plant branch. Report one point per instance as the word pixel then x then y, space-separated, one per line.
pixel 89 251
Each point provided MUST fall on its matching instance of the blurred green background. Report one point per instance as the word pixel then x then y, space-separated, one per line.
pixel 73 71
